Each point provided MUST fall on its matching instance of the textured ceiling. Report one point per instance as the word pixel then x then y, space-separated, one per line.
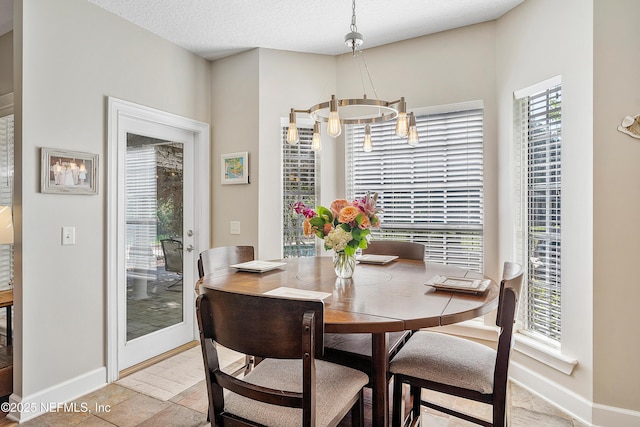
pixel 218 28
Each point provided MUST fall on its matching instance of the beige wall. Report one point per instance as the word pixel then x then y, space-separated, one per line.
pixel 72 55
pixel 616 201
pixel 6 63
pixel 538 40
pixel 234 123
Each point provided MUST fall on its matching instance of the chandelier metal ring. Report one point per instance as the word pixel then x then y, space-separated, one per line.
pixel 356 111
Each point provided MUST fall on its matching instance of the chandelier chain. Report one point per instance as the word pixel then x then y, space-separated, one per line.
pixel 353 27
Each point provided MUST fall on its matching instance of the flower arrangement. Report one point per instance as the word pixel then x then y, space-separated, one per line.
pixel 345 226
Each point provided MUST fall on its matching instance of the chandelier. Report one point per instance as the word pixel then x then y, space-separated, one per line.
pixel 355 111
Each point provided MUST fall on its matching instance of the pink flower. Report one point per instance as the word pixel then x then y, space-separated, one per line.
pixel 367 204
pixel 301 208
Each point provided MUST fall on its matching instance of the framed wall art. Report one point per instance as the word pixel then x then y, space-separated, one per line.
pixel 235 168
pixel 68 172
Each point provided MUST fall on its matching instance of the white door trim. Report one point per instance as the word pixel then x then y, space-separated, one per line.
pixel 117 110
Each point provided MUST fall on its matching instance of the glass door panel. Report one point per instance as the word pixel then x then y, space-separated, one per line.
pixel 154 224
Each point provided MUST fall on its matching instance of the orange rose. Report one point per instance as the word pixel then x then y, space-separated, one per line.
pixel 327 228
pixel 348 214
pixel 365 223
pixel 337 206
pixel 307 228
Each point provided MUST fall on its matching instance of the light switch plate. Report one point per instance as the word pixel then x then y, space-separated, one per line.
pixel 235 227
pixel 68 235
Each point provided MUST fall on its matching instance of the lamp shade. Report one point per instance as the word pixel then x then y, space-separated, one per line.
pixel 6 225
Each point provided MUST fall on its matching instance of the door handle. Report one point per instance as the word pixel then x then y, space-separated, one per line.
pixel 189 248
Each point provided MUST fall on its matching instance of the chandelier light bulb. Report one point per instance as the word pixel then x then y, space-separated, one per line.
pixel 367 144
pixel 334 127
pixel 402 126
pixel 292 133
pixel 316 142
pixel 413 131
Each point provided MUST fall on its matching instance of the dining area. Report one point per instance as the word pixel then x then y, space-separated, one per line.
pixel 369 330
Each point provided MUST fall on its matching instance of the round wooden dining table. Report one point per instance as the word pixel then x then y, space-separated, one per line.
pixel 377 299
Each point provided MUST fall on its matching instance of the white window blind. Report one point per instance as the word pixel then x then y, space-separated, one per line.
pixel 6 193
pixel 538 161
pixel 431 193
pixel 141 207
pixel 299 177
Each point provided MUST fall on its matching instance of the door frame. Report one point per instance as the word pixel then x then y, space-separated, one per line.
pixel 117 110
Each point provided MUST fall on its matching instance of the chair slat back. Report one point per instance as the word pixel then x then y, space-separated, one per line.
pixel 222 257
pixel 510 287
pixel 172 251
pixel 512 276
pixel 404 250
pixel 263 326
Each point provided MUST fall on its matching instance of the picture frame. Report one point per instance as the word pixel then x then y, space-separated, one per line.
pixel 235 168
pixel 68 172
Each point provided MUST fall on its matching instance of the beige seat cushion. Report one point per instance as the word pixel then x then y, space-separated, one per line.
pixel 448 360
pixel 337 388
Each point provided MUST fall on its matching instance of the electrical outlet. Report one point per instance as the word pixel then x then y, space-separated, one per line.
pixel 68 235
pixel 235 227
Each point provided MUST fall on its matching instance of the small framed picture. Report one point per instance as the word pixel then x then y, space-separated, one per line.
pixel 68 172
pixel 235 168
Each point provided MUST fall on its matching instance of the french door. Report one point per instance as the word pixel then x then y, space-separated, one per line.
pixel 156 233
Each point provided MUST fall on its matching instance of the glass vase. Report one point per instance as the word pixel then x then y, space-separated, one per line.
pixel 344 264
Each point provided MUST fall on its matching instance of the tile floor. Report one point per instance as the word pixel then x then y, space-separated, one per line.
pixel 173 393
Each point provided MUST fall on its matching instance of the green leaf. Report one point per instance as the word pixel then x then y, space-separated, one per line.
pixel 325 214
pixel 349 250
pixel 317 222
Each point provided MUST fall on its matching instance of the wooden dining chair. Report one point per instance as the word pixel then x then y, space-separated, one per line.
pixel 354 350
pixel 289 387
pixel 404 250
pixel 459 367
pixel 222 257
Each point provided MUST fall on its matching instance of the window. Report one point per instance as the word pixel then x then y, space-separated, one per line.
pixel 6 192
pixel 300 175
pixel 431 193
pixel 538 159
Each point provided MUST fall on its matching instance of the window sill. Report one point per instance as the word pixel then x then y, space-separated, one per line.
pixel 549 356
pixel 544 354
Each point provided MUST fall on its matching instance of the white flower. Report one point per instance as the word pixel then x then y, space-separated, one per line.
pixel 337 239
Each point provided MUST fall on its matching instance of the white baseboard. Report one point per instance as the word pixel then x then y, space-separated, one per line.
pixel 24 408
pixel 582 409
pixel 610 416
pixel 551 392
